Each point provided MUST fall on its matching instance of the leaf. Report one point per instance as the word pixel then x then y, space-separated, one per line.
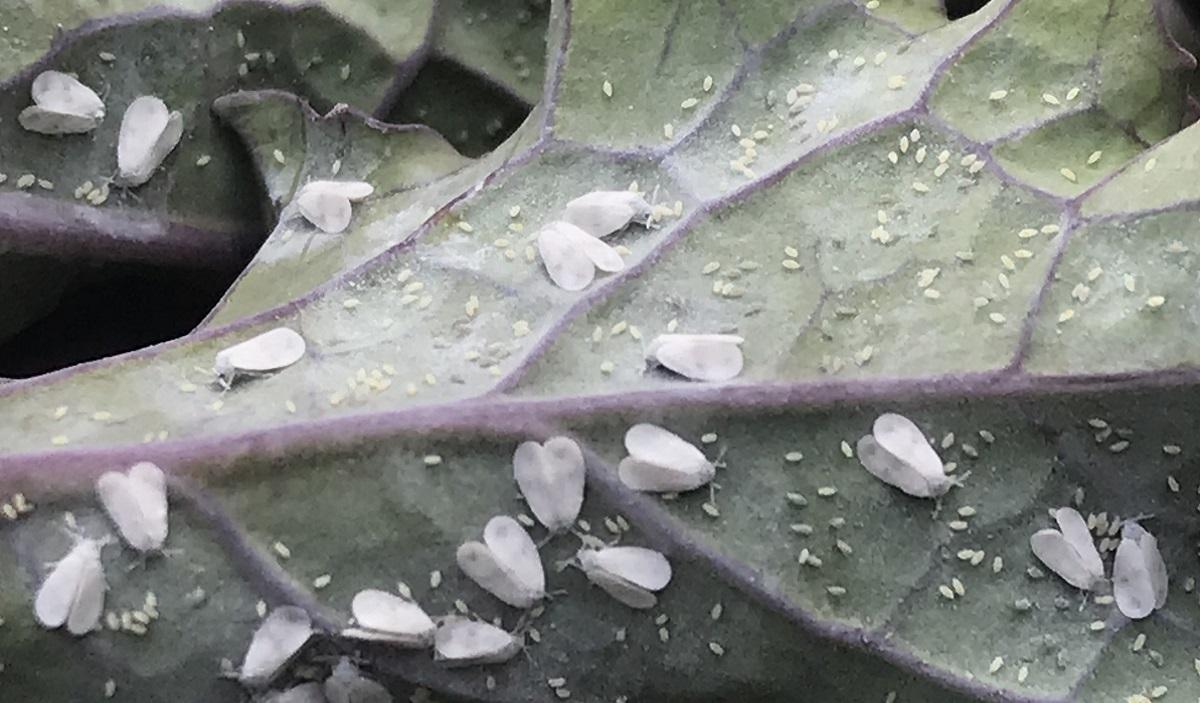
pixel 905 240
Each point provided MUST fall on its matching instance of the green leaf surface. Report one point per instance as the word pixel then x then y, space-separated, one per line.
pixel 848 196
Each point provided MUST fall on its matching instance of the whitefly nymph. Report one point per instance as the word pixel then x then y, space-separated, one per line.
pixel 278 638
pixel 137 503
pixel 603 212
pixel 551 477
pixel 897 453
pixel 1069 551
pixel 73 593
pixel 632 575
pixel 270 351
pixel 326 204
pixel 1139 573
pixel 571 255
pixel 149 132
pixel 385 617
pixel 662 461
pixel 61 105
pixel 699 357
pixel 463 642
pixel 506 564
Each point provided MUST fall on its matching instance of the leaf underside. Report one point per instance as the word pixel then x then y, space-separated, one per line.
pixel 898 212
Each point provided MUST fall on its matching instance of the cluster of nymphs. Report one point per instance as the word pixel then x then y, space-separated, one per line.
pixel 507 564
pixel 149 130
pixel 898 453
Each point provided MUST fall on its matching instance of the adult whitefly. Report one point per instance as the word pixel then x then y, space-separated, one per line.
pixel 551 477
pixel 278 638
pixel 662 461
pixel 346 684
pixel 1069 551
pixel 603 212
pixel 632 575
pixel 897 453
pixel 149 132
pixel 326 204
pixel 385 617
pixel 571 255
pixel 73 593
pixel 270 351
pixel 463 642
pixel 136 501
pixel 699 357
pixel 304 693
pixel 61 105
pixel 1139 573
pixel 506 564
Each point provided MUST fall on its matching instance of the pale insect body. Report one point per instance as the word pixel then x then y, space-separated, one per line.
pixel 463 642
pixel 385 617
pixel 699 357
pixel 551 477
pixel 571 255
pixel 326 204
pixel 1139 573
pixel 61 105
pixel 506 564
pixel 897 453
pixel 149 132
pixel 346 684
pixel 73 593
pixel 137 502
pixel 603 212
pixel 629 574
pixel 661 461
pixel 1069 551
pixel 304 693
pixel 275 642
pixel 270 351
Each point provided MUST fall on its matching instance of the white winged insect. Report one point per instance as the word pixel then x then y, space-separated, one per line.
pixel 699 357
pixel 629 574
pixel 551 477
pixel 506 564
pixel 897 453
pixel 61 105
pixel 663 462
pixel 346 684
pixel 73 593
pixel 326 204
pixel 275 642
pixel 137 502
pixel 1069 551
pixel 304 693
pixel 571 255
pixel 602 212
pixel 270 351
pixel 149 131
pixel 384 617
pixel 463 642
pixel 1139 573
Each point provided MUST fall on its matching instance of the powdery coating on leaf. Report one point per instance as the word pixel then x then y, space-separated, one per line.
pixel 326 204
pixel 462 642
pixel 276 640
pixel 270 351
pixel 346 684
pixel 551 477
pixel 383 616
pixel 62 105
pixel 149 132
pixel 571 255
pixel 898 454
pixel 1069 553
pixel 661 461
pixel 507 565
pixel 603 212
pixel 629 574
pixel 137 502
pixel 1139 573
pixel 700 357
pixel 73 593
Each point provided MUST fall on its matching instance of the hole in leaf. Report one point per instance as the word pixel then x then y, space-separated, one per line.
pixel 957 9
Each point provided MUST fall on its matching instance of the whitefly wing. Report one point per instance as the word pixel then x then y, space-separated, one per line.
pixel 89 591
pixel 602 212
pixel 515 550
pixel 551 477
pixel 354 191
pixel 1060 556
pixel 894 472
pixel 463 642
pixel 276 641
pixel 328 211
pixel 1139 573
pixel 1075 530
pixel 602 256
pixel 638 565
pixel 63 93
pixel 137 503
pixel 73 593
pixel 388 613
pixel 568 266
pixel 901 438
pixel 304 693
pixel 700 357
pixel 652 444
pixel 145 122
pixel 269 351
